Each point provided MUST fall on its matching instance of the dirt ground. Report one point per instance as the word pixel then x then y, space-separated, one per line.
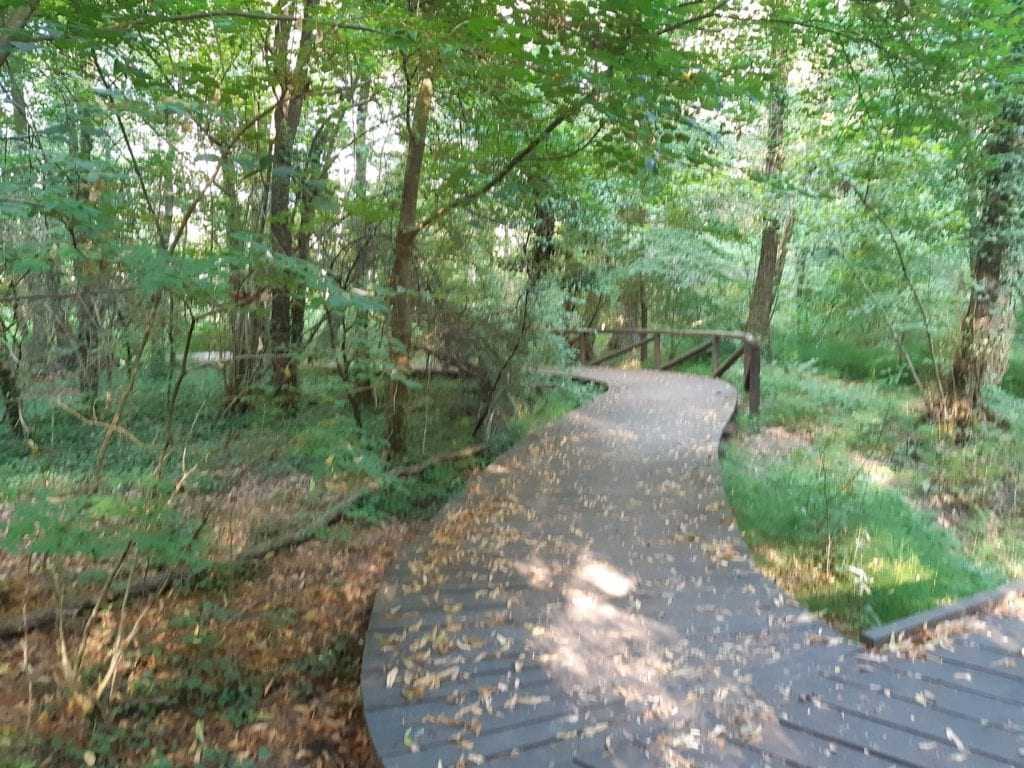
pixel 775 442
pixel 261 669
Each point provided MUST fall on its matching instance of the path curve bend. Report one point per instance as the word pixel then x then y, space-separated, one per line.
pixel 588 601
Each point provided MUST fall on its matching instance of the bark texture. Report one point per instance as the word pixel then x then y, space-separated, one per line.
pixel 293 83
pixel 988 325
pixel 88 276
pixel 403 270
pixel 774 235
pixel 11 394
pixel 242 368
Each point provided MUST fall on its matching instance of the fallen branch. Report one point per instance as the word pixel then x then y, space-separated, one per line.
pixel 159 582
pixel 444 458
pixel 106 425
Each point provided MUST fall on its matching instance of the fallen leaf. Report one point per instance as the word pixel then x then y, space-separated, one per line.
pixel 957 742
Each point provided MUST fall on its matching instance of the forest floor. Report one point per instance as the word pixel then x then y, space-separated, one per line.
pixel 864 509
pixel 849 496
pixel 257 670
pixel 256 665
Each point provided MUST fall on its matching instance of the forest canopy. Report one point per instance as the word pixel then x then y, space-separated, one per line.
pixel 369 182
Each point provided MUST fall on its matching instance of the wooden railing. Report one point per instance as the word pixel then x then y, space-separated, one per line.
pixel 710 342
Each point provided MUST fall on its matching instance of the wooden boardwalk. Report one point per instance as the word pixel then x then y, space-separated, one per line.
pixel 588 602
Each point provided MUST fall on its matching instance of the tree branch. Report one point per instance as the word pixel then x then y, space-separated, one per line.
pixel 511 165
pixel 574 152
pixel 131 156
pixel 158 582
pixel 676 26
pixel 184 18
pixel 933 353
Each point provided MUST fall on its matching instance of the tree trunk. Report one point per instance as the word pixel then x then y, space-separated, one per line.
pixel 280 226
pixel 87 273
pixel 318 164
pixel 294 84
pixel 780 263
pixel 11 394
pixel 360 227
pixel 14 21
pixel 402 272
pixel 543 250
pixel 633 312
pixel 643 322
pixel 774 237
pixel 240 373
pixel 591 313
pixel 987 329
pixel 340 324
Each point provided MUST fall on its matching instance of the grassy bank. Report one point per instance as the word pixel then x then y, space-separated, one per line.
pixel 864 510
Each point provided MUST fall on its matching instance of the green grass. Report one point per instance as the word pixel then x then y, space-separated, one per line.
pixel 867 361
pixel 296 466
pixel 875 486
pixel 813 521
pixel 320 439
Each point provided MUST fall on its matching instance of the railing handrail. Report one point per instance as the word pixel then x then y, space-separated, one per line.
pixel 749 350
pixel 744 336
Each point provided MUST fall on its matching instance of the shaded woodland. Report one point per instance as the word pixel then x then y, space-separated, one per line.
pixel 275 277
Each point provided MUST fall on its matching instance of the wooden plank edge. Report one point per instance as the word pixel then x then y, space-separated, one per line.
pixel 918 622
pixel 688 355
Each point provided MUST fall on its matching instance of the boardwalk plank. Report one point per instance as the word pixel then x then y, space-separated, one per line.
pixel 922 723
pixel 956 677
pixel 528 680
pixel 942 700
pixel 429 729
pixel 879 740
pixel 520 739
pixel 594 571
pixel 970 656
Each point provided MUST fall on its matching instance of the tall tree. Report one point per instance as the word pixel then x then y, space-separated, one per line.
pixel 89 269
pixel 987 328
pixel 774 234
pixel 293 83
pixel 242 367
pixel 403 269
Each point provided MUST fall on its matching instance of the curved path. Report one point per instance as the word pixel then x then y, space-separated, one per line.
pixel 589 602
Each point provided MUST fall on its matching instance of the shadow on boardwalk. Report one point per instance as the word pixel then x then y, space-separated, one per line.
pixel 589 602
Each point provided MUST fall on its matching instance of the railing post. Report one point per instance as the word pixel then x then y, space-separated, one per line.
pixel 715 352
pixel 657 350
pixel 752 377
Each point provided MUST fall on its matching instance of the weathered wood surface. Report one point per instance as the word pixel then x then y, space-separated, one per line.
pixel 688 355
pixel 678 332
pixel 975 604
pixel 588 602
pixel 728 363
pixel 622 351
